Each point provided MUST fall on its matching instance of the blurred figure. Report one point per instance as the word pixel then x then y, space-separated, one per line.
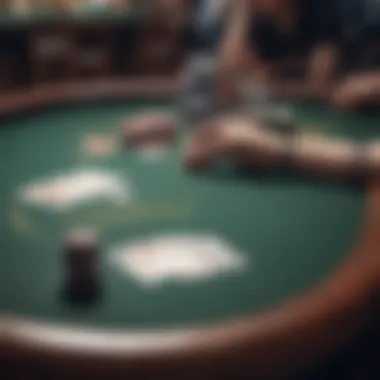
pixel 298 48
pixel 279 34
pixel 199 98
pixel 207 19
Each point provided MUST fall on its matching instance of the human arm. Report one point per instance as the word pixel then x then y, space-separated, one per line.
pixel 246 142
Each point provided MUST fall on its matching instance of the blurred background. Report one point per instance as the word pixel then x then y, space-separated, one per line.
pixel 63 41
pixel 45 41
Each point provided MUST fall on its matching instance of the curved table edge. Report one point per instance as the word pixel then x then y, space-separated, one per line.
pixel 294 333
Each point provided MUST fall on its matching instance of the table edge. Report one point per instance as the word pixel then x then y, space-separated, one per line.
pixel 294 333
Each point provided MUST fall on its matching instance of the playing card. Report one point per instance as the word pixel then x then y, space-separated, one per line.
pixel 180 258
pixel 68 190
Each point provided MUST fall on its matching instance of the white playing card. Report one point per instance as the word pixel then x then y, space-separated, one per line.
pixel 179 258
pixel 68 190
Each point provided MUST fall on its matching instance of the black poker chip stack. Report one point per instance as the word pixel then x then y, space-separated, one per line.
pixel 81 252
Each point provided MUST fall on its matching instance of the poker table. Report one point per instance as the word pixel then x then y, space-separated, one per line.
pixel 219 274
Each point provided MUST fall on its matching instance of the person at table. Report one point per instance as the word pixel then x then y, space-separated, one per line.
pixel 248 142
pixel 200 78
pixel 197 97
pixel 265 37
pixel 269 37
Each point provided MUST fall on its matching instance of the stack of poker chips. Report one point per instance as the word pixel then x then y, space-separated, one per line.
pixel 81 256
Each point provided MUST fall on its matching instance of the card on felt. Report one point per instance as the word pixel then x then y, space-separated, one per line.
pixel 177 257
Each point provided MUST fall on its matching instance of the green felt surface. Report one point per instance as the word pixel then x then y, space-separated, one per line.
pixel 291 232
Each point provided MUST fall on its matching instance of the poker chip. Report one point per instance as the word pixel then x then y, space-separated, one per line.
pixel 81 255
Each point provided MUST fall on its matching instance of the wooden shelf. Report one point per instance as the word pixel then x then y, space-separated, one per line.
pixel 35 19
pixel 58 47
